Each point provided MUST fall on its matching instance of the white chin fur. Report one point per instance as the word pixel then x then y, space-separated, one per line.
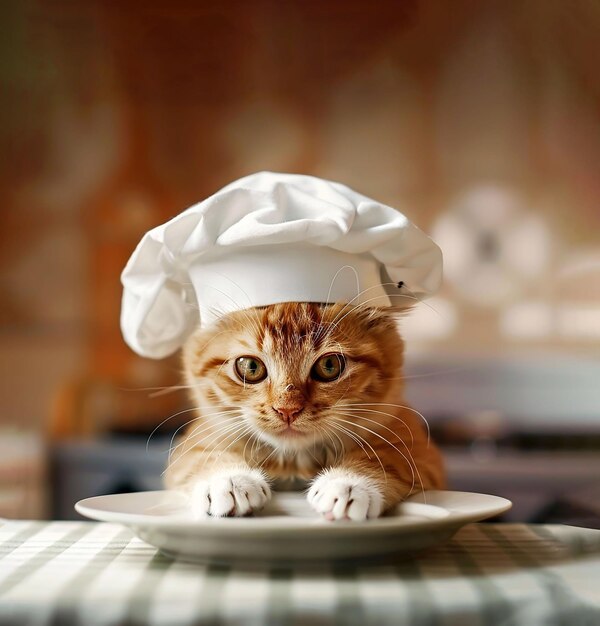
pixel 288 444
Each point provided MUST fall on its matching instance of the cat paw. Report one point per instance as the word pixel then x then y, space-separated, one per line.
pixel 233 493
pixel 341 495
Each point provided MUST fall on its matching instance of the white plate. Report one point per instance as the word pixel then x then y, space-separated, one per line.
pixel 287 529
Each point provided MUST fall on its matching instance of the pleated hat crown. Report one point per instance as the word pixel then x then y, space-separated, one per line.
pixel 270 238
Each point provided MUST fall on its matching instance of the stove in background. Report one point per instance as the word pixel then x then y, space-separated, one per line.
pixel 525 430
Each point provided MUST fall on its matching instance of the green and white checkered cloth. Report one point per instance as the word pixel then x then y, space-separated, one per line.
pixel 65 573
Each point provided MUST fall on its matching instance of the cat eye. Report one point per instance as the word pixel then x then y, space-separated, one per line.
pixel 250 369
pixel 329 367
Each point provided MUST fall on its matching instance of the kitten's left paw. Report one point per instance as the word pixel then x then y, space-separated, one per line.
pixel 230 493
pixel 342 495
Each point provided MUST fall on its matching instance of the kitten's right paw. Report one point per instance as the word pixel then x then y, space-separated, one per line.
pixel 338 495
pixel 233 493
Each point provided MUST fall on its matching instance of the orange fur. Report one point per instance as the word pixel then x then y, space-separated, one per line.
pixel 357 423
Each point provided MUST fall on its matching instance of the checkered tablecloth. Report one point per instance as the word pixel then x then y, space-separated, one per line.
pixel 65 573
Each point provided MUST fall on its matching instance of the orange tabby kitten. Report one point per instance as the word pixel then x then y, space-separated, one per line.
pixel 307 391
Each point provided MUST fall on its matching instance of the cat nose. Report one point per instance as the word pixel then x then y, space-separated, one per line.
pixel 289 412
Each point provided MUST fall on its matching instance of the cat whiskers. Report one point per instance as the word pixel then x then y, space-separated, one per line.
pixel 194 408
pixel 273 451
pixel 338 453
pixel 257 443
pixel 221 332
pixel 410 462
pixel 223 364
pixel 220 430
pixel 356 408
pixel 254 438
pixel 344 267
pixel 358 440
pixel 235 429
pixel 314 453
pixel 358 294
pixel 348 387
pixel 338 320
pixel 449 370
pixel 198 430
pixel 220 312
pixel 361 440
pixel 223 432
pixel 253 321
pixel 244 432
pixel 242 309
pixel 158 390
pixel 349 414
pixel 399 406
pixel 344 311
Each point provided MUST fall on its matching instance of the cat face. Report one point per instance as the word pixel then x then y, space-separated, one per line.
pixel 288 368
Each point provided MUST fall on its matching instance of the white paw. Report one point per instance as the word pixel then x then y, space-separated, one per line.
pixel 341 495
pixel 231 493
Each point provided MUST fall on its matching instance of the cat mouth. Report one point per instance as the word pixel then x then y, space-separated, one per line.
pixel 290 431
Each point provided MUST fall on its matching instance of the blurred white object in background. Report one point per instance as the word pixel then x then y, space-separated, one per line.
pixel 494 247
pixel 579 321
pixel 529 319
pixel 578 291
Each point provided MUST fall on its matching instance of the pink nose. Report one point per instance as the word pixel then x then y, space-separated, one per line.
pixel 289 412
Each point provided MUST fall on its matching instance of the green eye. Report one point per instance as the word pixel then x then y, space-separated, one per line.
pixel 328 367
pixel 250 369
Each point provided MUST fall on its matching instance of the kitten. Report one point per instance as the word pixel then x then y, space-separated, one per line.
pixel 301 390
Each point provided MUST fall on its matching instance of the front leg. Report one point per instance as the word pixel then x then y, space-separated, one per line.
pixel 218 487
pixel 341 493
pixel 371 479
pixel 359 489
pixel 231 492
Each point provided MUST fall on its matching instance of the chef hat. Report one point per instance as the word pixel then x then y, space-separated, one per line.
pixel 270 238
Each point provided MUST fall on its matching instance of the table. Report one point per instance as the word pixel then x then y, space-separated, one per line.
pixel 66 573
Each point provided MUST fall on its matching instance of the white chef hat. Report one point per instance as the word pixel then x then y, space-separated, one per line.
pixel 270 238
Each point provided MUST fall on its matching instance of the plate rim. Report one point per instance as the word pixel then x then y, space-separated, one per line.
pixel 251 526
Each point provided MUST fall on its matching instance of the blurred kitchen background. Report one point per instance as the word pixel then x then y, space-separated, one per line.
pixel 480 119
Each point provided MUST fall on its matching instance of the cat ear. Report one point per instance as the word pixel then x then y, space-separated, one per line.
pixel 383 317
pixel 401 310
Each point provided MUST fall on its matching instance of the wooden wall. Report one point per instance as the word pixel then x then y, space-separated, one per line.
pixel 119 115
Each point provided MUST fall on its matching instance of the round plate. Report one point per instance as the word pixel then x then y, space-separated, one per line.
pixel 287 529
